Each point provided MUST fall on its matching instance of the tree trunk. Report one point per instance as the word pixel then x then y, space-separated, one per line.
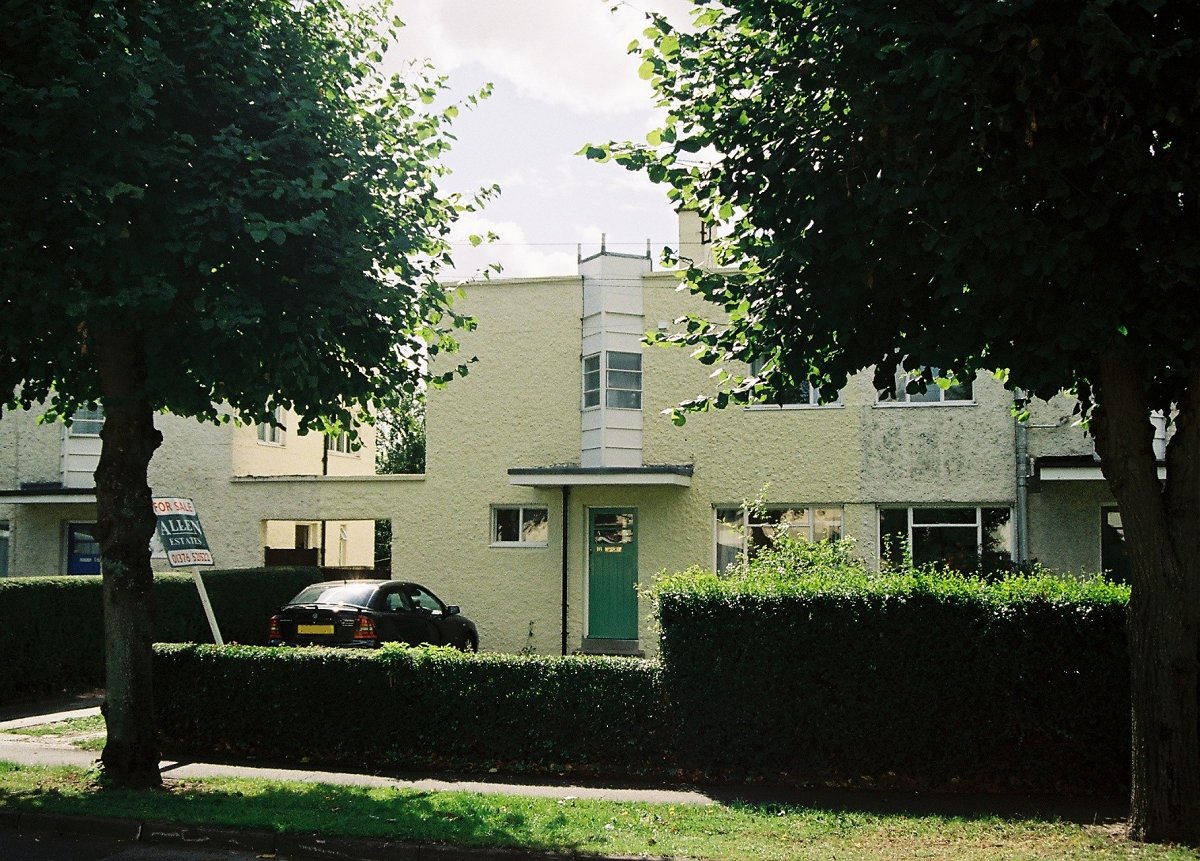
pixel 1162 531
pixel 124 526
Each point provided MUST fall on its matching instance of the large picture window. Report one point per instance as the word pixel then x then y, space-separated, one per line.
pixel 969 540
pixel 520 525
pixel 741 532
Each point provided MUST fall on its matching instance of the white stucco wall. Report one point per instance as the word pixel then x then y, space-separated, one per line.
pixel 196 460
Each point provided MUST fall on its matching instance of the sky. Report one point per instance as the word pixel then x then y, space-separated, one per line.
pixel 562 78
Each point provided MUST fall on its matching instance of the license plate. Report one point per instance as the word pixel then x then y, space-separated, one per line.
pixel 314 629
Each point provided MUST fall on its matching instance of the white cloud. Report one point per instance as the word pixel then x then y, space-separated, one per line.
pixel 564 53
pixel 518 257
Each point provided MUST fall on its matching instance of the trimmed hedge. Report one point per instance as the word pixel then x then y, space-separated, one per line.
pixel 52 628
pixel 399 707
pixel 801 671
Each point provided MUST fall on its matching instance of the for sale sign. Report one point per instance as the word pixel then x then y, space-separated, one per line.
pixel 180 532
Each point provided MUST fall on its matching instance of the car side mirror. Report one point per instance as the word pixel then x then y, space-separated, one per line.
pixel 452 610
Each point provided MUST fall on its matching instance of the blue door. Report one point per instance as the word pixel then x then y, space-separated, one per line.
pixel 83 552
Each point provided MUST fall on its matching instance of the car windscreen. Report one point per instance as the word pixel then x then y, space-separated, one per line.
pixel 356 594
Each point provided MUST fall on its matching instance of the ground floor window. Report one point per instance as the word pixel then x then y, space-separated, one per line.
pixel 969 540
pixel 742 531
pixel 1113 557
pixel 520 525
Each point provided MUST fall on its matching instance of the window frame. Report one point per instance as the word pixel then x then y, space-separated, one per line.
pixel 521 508
pixel 945 524
pixel 340 444
pixel 812 393
pixel 744 528
pixel 610 389
pixel 86 417
pixel 274 435
pixel 904 399
pixel 591 395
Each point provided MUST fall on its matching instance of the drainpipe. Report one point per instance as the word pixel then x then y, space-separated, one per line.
pixel 566 499
pixel 1022 513
pixel 324 472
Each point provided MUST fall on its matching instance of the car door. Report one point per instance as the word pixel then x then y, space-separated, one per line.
pixel 401 621
pixel 431 610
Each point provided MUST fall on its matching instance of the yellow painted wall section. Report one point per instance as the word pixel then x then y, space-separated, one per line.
pixel 517 407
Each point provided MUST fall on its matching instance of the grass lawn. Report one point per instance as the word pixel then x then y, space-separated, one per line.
pixel 86 733
pixel 601 827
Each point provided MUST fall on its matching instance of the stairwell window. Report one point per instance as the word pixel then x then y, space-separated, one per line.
pixel 591 381
pixel 87 422
pixel 623 380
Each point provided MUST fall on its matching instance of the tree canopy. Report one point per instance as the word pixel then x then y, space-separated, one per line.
pixel 215 210
pixel 966 186
pixel 949 187
pixel 241 183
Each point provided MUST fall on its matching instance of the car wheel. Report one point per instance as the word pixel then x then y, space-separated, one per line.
pixel 468 644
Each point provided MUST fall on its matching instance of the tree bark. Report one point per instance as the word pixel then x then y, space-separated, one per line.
pixel 124 526
pixel 1162 535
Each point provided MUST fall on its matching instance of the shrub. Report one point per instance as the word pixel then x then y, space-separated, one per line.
pixel 806 669
pixel 400 707
pixel 52 628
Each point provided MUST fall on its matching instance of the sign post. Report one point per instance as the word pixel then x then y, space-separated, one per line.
pixel 182 537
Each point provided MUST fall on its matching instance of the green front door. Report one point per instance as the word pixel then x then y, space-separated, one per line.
pixel 612 574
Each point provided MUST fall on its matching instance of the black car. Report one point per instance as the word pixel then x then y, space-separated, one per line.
pixel 364 613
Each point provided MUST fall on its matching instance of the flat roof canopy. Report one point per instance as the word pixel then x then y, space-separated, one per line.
pixel 48 495
pixel 1075 467
pixel 674 475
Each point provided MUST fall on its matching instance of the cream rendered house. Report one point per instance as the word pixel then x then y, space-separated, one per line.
pixel 48 501
pixel 555 488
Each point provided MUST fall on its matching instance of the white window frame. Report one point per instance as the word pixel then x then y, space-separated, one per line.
pixel 274 435
pixel 909 509
pixel 520 508
pixel 591 394
pixel 83 420
pixel 748 519
pixel 904 399
pixel 805 387
pixel 610 371
pixel 340 444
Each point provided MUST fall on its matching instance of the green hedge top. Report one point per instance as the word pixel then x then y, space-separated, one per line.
pixel 829 572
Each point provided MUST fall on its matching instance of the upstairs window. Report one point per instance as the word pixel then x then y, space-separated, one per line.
pixel 741 533
pixel 87 422
pixel 340 443
pixel 802 394
pixel 274 434
pixel 934 394
pixel 623 380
